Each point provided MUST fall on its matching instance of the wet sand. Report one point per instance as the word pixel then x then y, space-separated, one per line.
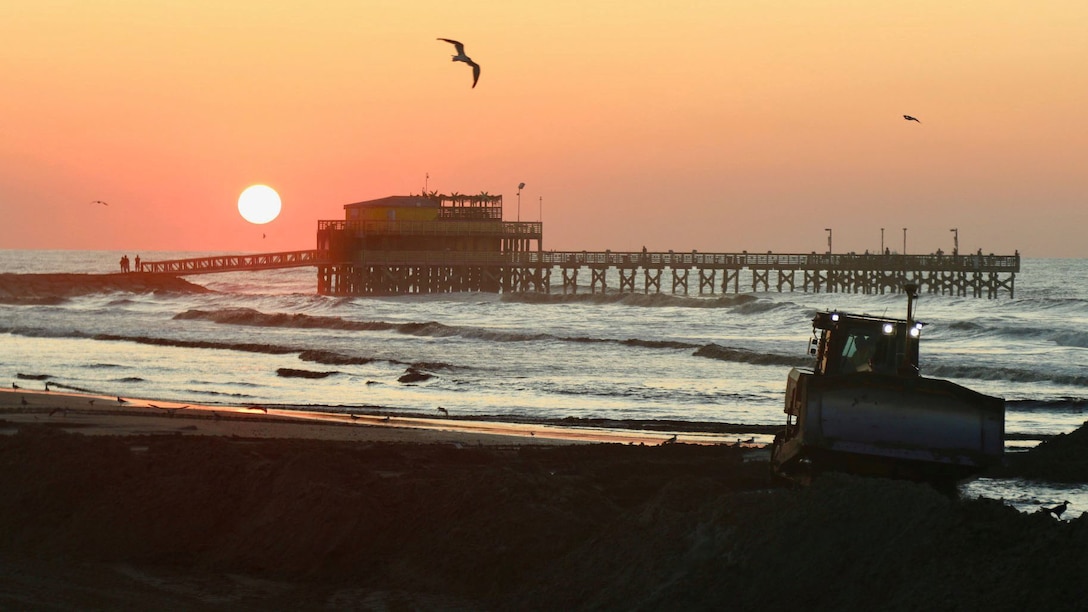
pixel 123 506
pixel 105 415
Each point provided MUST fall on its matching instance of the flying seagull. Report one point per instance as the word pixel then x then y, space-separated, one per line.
pixel 909 118
pixel 100 202
pixel 461 57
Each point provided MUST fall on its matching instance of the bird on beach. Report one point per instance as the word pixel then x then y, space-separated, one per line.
pixel 1056 510
pixel 121 400
pixel 91 402
pixel 261 408
pixel 443 411
pixel 461 57
pixel 671 440
pixel 354 416
pixel 15 386
pixel 22 400
pixel 909 118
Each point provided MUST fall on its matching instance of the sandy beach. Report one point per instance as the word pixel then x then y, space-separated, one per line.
pixel 148 505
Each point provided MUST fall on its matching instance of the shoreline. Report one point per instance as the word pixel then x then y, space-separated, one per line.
pixel 104 415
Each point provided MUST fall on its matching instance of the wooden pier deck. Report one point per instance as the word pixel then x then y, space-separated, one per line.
pixel 408 272
pixel 676 272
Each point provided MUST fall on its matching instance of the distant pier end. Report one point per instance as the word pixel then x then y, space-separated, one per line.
pixel 435 243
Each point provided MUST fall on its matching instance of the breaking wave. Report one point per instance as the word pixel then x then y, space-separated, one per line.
pixel 725 353
pixel 248 316
pixel 1066 404
pixel 643 300
pixel 1005 374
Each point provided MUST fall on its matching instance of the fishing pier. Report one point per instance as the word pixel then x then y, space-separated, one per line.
pixel 446 244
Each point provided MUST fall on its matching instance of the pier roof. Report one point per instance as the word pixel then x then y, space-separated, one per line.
pixel 412 201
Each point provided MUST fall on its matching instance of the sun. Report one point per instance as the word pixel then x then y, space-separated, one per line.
pixel 259 204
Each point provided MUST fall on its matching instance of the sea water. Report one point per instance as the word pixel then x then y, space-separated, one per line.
pixel 625 358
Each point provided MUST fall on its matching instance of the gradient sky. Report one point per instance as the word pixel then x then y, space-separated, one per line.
pixel 711 125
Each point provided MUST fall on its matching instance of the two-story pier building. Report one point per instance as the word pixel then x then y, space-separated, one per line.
pixel 427 244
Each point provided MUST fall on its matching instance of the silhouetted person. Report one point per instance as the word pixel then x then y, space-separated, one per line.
pixel 137 263
pixel 123 258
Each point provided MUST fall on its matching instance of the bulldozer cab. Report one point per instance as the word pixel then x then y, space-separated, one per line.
pixel 847 344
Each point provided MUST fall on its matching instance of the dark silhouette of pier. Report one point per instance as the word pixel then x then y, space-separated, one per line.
pixel 687 273
pixel 436 243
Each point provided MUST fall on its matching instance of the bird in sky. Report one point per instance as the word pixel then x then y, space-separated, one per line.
pixel 909 118
pixel 461 57
pixel 100 202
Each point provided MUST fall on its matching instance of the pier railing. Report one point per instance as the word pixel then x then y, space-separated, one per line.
pixel 435 228
pixel 757 261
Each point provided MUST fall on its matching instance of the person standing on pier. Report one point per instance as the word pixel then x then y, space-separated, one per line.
pixel 137 263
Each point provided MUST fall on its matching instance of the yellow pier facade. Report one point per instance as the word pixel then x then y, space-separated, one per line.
pixel 427 244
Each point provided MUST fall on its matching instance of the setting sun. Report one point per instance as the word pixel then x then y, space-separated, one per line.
pixel 259 204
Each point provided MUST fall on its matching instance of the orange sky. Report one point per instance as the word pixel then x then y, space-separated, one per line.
pixel 709 125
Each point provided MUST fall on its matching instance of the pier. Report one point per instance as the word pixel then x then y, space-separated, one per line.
pixel 434 243
pixel 690 273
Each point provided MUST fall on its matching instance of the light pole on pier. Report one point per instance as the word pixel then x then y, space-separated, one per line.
pixel 828 230
pixel 904 241
pixel 955 240
pixel 520 187
pixel 882 241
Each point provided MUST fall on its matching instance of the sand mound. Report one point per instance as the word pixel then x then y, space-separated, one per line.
pixel 49 288
pixel 277 524
pixel 1063 458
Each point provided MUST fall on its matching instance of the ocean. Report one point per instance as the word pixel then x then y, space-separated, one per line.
pixel 628 359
